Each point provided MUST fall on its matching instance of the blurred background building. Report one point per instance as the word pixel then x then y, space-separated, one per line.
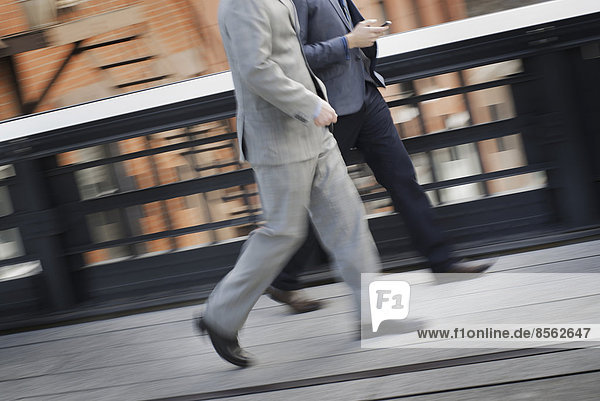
pixel 57 53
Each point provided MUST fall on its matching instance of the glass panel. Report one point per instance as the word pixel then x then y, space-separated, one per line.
pixel 6 171
pixel 20 270
pixel 215 155
pixel 491 104
pixel 424 172
pixel 365 183
pixel 505 153
pixel 445 113
pixel 456 162
pixel 172 214
pixel 397 91
pixel 186 162
pixel 10 244
pixel 519 183
pixel 461 193
pixel 455 111
pixel 492 72
pixel 406 119
pixel 502 153
pixel 107 226
pixel 6 207
pixel 437 83
pixel 95 182
pixel 422 166
pixel 477 107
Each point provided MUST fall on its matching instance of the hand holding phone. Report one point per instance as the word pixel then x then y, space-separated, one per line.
pixel 365 33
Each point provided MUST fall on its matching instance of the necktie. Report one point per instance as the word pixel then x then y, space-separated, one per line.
pixel 344 6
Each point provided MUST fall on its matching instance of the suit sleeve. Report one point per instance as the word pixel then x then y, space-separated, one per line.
pixel 321 54
pixel 249 28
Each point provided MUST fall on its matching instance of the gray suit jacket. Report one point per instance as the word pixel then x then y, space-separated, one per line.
pixel 322 25
pixel 276 93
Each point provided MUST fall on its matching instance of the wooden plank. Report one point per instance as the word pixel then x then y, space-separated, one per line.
pixel 589 264
pixel 268 312
pixel 576 387
pixel 158 354
pixel 281 339
pixel 186 357
pixel 85 28
pixel 548 255
pixel 520 379
pixel 181 377
pixel 330 293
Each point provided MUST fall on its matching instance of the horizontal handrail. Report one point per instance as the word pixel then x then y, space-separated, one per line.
pixel 161 192
pixel 484 25
pixel 142 153
pixel 166 234
pixel 409 100
pixel 470 179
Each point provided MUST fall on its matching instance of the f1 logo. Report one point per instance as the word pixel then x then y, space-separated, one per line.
pixel 389 300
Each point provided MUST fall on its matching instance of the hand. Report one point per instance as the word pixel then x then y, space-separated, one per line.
pixel 364 35
pixel 326 116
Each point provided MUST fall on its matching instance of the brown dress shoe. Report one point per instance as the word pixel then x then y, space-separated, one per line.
pixel 227 348
pixel 294 299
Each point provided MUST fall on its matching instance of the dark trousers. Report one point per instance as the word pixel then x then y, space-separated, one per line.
pixel 372 131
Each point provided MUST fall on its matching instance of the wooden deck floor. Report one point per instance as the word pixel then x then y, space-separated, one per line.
pixel 314 356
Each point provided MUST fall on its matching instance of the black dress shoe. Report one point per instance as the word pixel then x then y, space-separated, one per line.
pixel 475 268
pixel 469 267
pixel 294 299
pixel 227 348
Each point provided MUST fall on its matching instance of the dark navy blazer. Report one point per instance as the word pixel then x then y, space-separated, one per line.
pixel 322 26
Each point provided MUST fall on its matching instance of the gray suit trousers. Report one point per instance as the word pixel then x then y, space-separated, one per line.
pixel 318 188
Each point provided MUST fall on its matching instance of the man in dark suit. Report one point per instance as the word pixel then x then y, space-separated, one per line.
pixel 340 48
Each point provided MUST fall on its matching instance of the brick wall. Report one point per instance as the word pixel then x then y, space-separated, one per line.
pixel 12 17
pixel 170 28
pixel 180 32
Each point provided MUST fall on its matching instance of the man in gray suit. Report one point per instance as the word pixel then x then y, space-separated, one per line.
pixel 340 48
pixel 282 115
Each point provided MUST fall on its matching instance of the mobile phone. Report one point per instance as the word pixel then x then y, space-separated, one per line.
pixel 386 23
